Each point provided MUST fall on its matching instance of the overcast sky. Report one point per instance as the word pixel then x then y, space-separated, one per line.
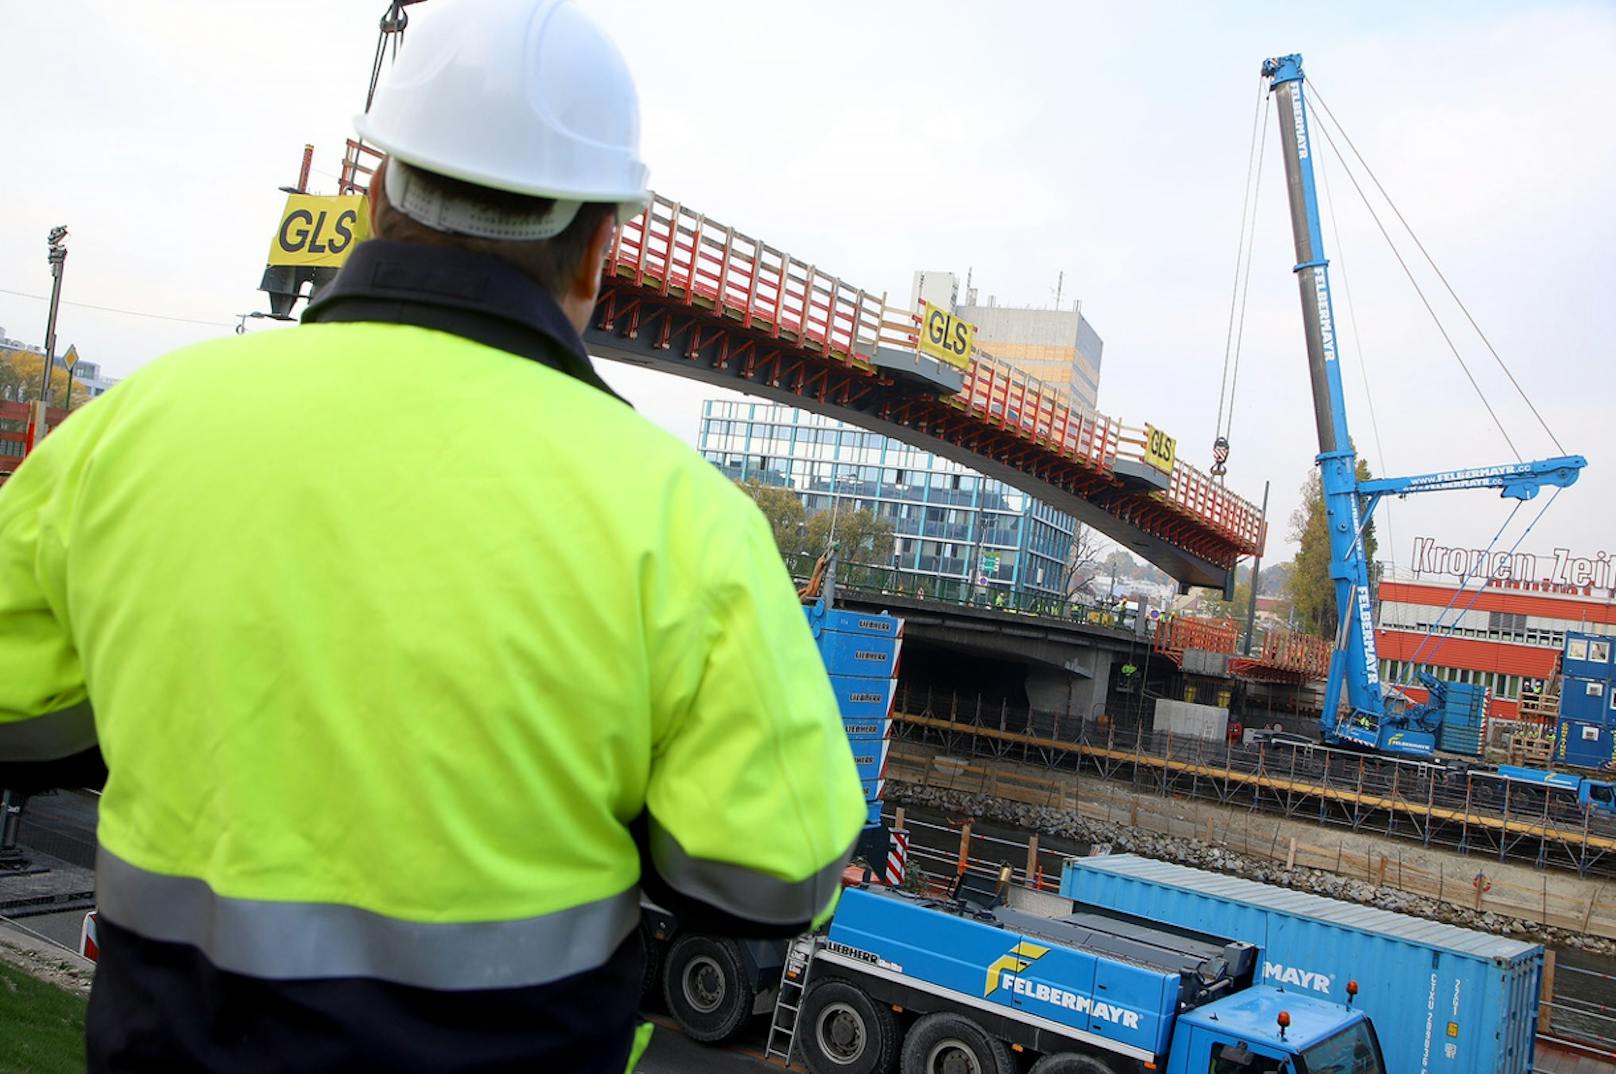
pixel 1017 140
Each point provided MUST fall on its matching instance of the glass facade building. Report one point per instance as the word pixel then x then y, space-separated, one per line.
pixel 943 515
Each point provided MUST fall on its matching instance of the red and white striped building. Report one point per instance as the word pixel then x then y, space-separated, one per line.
pixel 1506 636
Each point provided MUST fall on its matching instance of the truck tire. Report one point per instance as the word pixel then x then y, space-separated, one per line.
pixel 841 1030
pixel 947 1043
pixel 704 983
pixel 1069 1063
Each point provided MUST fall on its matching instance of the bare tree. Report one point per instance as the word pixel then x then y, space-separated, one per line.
pixel 1082 561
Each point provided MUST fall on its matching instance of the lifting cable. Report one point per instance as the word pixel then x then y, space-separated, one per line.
pixel 394 22
pixel 1432 262
pixel 1323 128
pixel 1491 574
pixel 116 309
pixel 1242 279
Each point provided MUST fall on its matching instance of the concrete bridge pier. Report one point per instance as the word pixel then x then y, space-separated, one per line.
pixel 1062 700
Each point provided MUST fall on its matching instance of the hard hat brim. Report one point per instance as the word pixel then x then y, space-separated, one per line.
pixel 639 197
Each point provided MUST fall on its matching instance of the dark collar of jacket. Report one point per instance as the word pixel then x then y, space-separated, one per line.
pixel 472 295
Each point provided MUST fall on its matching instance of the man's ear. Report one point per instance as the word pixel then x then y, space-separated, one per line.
pixel 375 188
pixel 586 282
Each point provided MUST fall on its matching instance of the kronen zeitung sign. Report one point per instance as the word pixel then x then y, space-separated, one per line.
pixel 1560 572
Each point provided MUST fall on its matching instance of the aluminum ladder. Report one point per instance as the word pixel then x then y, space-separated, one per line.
pixel 787 1005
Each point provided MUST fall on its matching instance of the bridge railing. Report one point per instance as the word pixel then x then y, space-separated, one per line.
pixel 681 252
pixel 874 580
pixel 678 252
pixel 1009 398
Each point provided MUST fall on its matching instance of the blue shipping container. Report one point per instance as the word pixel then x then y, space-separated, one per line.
pixel 1443 999
pixel 1584 699
pixel 862 656
pixel 1463 712
pixel 862 699
pixel 1588 656
pixel 1583 744
pixel 871 758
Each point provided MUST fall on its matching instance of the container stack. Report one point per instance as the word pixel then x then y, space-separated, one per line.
pixel 1585 736
pixel 1463 729
pixel 860 651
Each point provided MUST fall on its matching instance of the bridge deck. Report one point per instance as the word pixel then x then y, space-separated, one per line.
pixel 686 294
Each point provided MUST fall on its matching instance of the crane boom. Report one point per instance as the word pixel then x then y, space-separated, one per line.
pixel 1348 503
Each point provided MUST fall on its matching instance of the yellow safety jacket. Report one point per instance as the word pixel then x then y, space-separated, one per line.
pixel 391 636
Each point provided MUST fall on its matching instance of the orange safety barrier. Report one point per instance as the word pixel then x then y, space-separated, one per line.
pixel 1182 632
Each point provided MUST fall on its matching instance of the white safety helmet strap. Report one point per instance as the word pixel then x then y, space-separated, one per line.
pixel 415 194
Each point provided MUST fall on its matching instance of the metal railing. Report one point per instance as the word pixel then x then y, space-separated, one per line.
pixel 674 250
pixel 868 579
pixel 1476 813
pixel 1573 1011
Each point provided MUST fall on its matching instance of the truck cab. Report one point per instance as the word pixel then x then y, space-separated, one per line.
pixel 1265 1030
pixel 1596 795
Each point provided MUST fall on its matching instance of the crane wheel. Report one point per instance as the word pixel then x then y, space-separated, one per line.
pixel 705 985
pixel 946 1043
pixel 1069 1063
pixel 841 1030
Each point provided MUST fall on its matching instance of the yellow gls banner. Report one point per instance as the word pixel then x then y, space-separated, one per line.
pixel 318 230
pixel 946 338
pixel 1160 449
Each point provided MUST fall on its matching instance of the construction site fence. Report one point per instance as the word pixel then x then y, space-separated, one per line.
pixel 1570 1010
pixel 1475 812
pixel 1257 836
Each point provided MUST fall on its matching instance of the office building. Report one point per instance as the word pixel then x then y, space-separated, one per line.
pixel 1057 346
pixel 943 515
pixel 1507 635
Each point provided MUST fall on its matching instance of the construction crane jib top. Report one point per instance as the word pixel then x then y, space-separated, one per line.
pixel 1348 502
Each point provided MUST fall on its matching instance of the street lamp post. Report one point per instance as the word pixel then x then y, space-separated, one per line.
pixel 57 258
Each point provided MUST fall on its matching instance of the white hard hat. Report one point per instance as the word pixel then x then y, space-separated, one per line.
pixel 526 96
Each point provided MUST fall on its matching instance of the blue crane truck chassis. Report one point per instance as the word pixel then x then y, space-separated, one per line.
pixel 966 984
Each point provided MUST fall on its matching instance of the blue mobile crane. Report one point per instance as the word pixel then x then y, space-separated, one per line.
pixel 1370 719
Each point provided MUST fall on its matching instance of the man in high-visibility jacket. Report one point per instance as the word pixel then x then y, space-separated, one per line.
pixel 412 652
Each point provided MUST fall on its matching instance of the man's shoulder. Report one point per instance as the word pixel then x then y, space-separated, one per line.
pixel 664 457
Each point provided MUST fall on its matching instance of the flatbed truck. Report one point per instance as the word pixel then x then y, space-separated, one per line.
pixel 970 984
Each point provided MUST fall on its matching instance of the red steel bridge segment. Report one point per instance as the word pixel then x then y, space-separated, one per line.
pixel 690 296
pixel 686 295
pixel 1284 657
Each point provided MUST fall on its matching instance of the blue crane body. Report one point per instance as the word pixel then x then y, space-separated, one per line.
pixel 1366 720
pixel 1081 982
